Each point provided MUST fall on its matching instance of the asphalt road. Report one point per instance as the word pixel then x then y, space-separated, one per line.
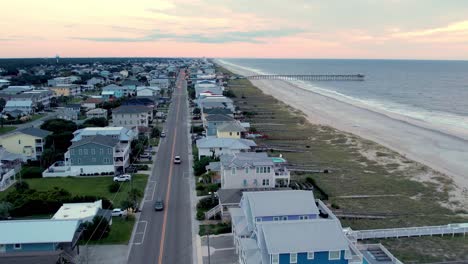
pixel 166 236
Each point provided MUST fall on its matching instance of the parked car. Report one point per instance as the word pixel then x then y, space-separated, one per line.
pixel 123 178
pixel 163 134
pixel 177 160
pixel 159 205
pixel 119 212
pixel 145 156
pixel 131 169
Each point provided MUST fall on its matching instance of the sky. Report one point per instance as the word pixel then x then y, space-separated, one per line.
pixel 368 29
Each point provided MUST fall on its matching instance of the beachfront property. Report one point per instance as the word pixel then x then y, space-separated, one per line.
pixel 132 116
pixel 30 238
pixel 36 96
pixel 27 142
pixel 230 130
pixel 96 113
pixel 288 227
pixel 123 134
pixel 208 147
pixel 215 102
pixel 211 123
pixel 246 170
pixel 66 90
pixel 216 111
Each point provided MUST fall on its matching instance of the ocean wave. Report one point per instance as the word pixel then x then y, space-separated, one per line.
pixel 441 121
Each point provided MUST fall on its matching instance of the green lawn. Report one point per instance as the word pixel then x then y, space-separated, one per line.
pixel 6 129
pixel 36 117
pixel 97 186
pixel 120 233
pixel 154 142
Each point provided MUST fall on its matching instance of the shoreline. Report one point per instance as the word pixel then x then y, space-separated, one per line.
pixel 440 151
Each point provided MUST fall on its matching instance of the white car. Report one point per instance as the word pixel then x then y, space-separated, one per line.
pixel 163 134
pixel 119 212
pixel 123 178
pixel 177 160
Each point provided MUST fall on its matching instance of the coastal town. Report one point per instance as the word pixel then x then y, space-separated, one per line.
pixel 168 159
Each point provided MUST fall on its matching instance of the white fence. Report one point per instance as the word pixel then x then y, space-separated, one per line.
pixel 450 229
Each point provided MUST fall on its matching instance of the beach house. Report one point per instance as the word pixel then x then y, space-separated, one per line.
pixel 246 170
pixel 230 130
pixel 132 116
pixel 208 147
pixel 28 142
pixel 211 123
pixel 289 227
pixel 66 90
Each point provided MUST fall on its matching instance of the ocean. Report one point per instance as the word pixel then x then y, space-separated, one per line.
pixel 434 92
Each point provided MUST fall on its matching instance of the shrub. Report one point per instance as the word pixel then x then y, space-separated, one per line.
pixel 114 187
pixel 207 203
pixel 97 229
pixel 31 172
pixel 200 215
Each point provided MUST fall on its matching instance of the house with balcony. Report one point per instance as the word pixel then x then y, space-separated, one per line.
pixel 123 134
pixel 246 170
pixel 132 116
pixel 289 227
pixel 27 142
pixel 118 91
pixel 96 113
pixel 10 165
pixel 66 90
pixel 208 147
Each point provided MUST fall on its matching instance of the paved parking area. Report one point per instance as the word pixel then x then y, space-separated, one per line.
pixel 222 249
pixel 103 254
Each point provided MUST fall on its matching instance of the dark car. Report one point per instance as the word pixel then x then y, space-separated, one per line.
pixel 159 205
pixel 131 169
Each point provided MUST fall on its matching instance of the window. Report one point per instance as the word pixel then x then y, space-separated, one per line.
pixel 17 246
pixel 255 182
pixel 347 254
pixel 266 182
pixel 19 141
pixel 284 218
pixel 275 259
pixel 72 152
pixel 276 218
pixel 80 152
pixel 85 151
pixel 101 151
pixel 233 171
pixel 334 255
pixel 258 219
pixel 109 151
pixel 79 160
pixel 303 217
pixel 244 182
pixel 257 169
pixel 246 170
pixel 93 151
pixel 310 255
pixel 268 169
pixel 230 133
pixel 293 258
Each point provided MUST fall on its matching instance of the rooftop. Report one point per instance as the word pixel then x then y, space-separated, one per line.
pixel 98 139
pixel 246 159
pixel 36 132
pixel 37 231
pixel 303 236
pixel 231 127
pixel 278 203
pixel 231 143
pixel 78 210
pixel 134 109
pixel 219 117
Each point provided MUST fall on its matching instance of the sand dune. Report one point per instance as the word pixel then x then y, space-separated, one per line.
pixel 443 152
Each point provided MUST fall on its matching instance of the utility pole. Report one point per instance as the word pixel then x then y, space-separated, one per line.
pixel 208 242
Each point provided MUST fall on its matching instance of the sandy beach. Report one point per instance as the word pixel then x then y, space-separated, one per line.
pixel 443 152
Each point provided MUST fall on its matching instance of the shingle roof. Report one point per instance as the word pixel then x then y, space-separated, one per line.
pixel 219 117
pixel 229 196
pixel 213 111
pixel 123 133
pixel 246 159
pixel 231 127
pixel 231 143
pixel 280 203
pixel 127 109
pixel 303 236
pixel 98 139
pixel 37 231
pixel 36 132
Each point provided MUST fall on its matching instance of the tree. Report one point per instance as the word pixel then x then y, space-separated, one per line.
pixel 155 132
pixel 48 157
pixel 2 104
pixel 96 122
pixel 97 229
pixel 199 166
pixel 5 208
pixel 39 107
pixel 59 125
pixel 196 111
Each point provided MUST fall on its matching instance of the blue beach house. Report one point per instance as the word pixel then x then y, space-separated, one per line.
pixel 278 227
pixel 21 237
